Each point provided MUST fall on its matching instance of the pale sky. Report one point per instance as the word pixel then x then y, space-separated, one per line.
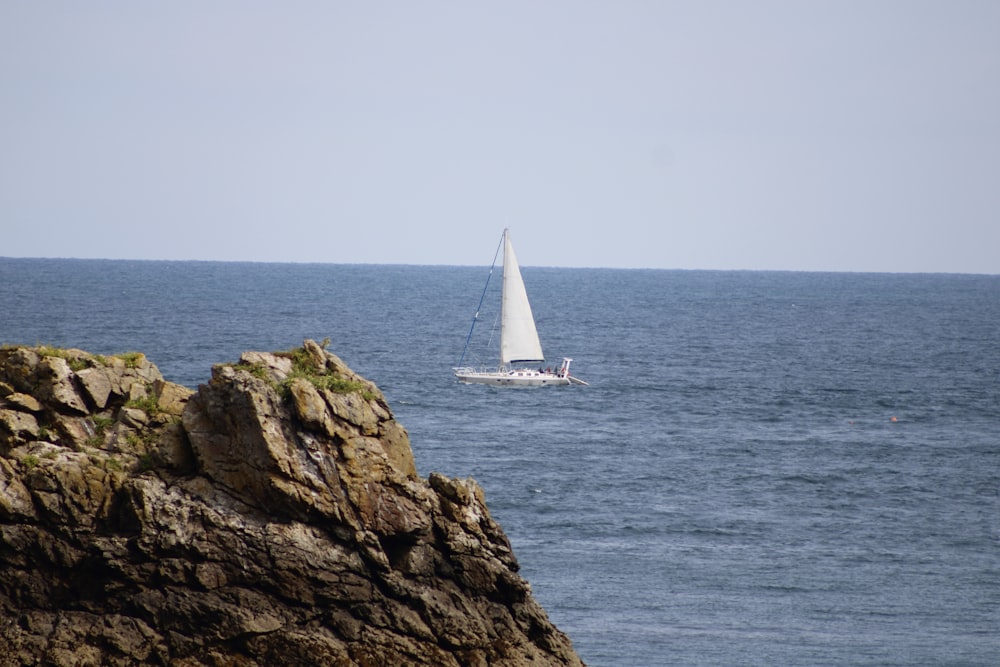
pixel 841 135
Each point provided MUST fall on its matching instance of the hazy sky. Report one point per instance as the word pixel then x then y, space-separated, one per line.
pixel 803 134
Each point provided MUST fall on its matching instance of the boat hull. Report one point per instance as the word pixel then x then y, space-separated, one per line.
pixel 513 378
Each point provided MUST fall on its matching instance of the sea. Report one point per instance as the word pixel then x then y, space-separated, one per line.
pixel 767 468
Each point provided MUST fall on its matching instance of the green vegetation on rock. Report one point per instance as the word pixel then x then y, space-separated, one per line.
pixel 305 367
pixel 147 404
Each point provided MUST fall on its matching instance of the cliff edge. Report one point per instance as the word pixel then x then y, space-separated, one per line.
pixel 275 516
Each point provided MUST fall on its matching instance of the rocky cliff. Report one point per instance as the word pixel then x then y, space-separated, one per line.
pixel 273 517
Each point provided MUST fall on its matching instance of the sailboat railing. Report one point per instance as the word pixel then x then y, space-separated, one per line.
pixel 475 317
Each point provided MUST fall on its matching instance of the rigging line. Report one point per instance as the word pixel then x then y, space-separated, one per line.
pixel 493 330
pixel 481 299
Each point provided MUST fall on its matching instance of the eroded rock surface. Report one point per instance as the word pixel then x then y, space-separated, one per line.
pixel 275 516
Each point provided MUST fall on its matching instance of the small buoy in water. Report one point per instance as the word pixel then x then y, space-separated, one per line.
pixel 892 419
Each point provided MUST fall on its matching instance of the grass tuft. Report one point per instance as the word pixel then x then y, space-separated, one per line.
pixel 131 359
pixel 147 404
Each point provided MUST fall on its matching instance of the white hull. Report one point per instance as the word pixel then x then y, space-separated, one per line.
pixel 513 378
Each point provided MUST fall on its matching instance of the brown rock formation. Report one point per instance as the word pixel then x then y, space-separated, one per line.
pixel 273 517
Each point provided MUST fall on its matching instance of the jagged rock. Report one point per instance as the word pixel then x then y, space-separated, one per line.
pixel 19 369
pixel 56 382
pixel 19 426
pixel 131 377
pixel 277 367
pixel 23 402
pixel 275 516
pixel 310 407
pixel 170 397
pixel 70 431
pixel 133 418
pixel 15 499
pixel 96 384
pixel 396 443
pixel 353 409
pixel 173 451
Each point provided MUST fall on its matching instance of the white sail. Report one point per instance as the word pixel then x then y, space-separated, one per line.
pixel 518 336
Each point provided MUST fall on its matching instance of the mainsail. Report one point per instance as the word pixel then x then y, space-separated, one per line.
pixel 518 336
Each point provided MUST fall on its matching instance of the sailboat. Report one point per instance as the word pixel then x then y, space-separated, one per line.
pixel 519 343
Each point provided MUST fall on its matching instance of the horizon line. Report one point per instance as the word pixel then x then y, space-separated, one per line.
pixel 530 266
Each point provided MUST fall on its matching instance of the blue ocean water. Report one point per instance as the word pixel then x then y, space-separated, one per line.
pixel 766 469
